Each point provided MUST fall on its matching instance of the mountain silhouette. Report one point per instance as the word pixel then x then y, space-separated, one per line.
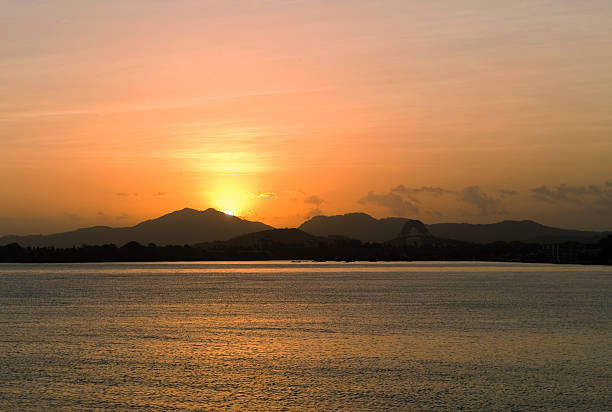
pixel 511 231
pixel 287 236
pixel 356 225
pixel 186 226
pixel 368 229
pixel 190 226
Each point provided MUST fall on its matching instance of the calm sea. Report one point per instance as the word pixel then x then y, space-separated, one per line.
pixel 305 336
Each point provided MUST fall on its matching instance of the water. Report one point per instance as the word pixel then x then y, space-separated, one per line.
pixel 305 336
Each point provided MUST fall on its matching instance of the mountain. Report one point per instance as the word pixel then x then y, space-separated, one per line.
pixel 189 226
pixel 368 229
pixel 277 236
pixel 186 226
pixel 511 231
pixel 356 225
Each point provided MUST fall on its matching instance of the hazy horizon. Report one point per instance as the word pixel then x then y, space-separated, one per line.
pixel 115 112
pixel 275 227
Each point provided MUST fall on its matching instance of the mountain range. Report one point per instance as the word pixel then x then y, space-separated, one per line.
pixel 368 229
pixel 183 227
pixel 190 226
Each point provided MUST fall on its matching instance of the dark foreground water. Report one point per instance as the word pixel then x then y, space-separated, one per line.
pixel 313 336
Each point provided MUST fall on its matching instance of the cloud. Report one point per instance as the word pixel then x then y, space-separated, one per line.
pixel 485 204
pixel 603 204
pixel 313 200
pixel 263 195
pixel 402 200
pixel 313 212
pixel 564 192
pixel 123 194
pixel 436 191
pixel 122 217
pixel 593 198
pixel 160 194
pixel 414 193
pixel 392 201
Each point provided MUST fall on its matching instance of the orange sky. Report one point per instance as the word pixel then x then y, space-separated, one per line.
pixel 113 112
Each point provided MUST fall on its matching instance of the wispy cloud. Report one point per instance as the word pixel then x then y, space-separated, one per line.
pixel 412 192
pixel 313 212
pixel 486 204
pixel 313 200
pixel 403 200
pixel 595 198
pixel 392 201
pixel 564 192
pixel 263 195
pixel 134 107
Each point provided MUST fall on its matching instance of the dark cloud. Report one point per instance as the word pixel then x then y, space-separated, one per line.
pixel 413 192
pixel 313 200
pixel 508 192
pixel 403 200
pixel 392 201
pixel 603 204
pixel 592 198
pixel 485 204
pixel 564 193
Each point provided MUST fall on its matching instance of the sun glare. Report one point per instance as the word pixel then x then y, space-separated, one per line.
pixel 231 198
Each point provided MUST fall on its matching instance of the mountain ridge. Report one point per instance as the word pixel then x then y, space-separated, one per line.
pixel 369 229
pixel 185 226
pixel 192 226
pixel 527 231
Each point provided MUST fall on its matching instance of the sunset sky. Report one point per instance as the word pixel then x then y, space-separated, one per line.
pixel 112 112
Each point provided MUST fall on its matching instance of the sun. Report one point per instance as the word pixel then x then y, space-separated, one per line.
pixel 231 198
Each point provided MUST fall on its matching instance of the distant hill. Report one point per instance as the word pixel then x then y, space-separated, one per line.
pixel 368 229
pixel 511 231
pixel 277 236
pixel 356 225
pixel 186 226
pixel 189 226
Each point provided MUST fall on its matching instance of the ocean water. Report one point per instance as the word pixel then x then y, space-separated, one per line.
pixel 305 336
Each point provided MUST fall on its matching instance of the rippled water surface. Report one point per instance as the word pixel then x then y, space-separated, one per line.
pixel 305 336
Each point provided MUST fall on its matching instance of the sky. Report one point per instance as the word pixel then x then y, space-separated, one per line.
pixel 113 112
